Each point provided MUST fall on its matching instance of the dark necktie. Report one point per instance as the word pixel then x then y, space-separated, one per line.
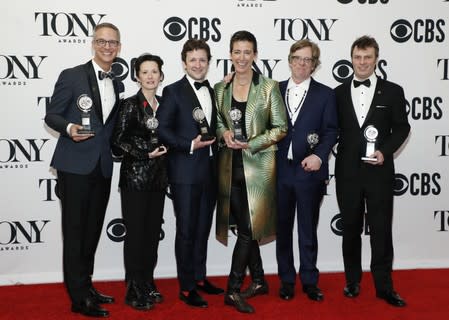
pixel 366 83
pixel 198 85
pixel 102 75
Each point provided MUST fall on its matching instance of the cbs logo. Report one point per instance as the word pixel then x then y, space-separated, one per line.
pixel 116 230
pixel 420 30
pixel 425 108
pixel 418 184
pixel 175 29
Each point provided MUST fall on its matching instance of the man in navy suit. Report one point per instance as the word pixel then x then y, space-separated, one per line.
pixel 302 168
pixel 187 120
pixel 83 161
pixel 373 125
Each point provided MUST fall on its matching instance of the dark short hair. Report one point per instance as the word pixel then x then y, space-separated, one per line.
pixel 365 42
pixel 304 43
pixel 243 35
pixel 195 44
pixel 148 57
pixel 107 25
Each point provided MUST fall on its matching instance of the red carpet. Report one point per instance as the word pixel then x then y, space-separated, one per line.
pixel 426 292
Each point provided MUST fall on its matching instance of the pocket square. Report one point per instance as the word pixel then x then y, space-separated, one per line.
pixel 381 107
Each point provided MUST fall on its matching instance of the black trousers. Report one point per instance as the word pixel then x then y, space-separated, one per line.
pixel 194 207
pixel 377 197
pixel 246 250
pixel 142 212
pixel 84 199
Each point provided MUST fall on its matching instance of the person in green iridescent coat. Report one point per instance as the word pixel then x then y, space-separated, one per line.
pixel 251 120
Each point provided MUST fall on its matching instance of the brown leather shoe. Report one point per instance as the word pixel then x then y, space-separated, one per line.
pixel 255 289
pixel 237 301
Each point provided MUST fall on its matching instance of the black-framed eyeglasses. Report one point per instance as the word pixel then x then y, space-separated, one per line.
pixel 103 42
pixel 298 59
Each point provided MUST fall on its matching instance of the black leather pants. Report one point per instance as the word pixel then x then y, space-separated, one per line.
pixel 246 251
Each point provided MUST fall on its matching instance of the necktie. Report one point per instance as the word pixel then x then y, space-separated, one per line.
pixel 102 75
pixel 366 83
pixel 198 85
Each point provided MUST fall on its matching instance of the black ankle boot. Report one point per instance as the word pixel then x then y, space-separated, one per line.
pixel 137 297
pixel 236 300
pixel 255 289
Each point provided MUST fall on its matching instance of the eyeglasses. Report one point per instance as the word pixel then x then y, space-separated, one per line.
pixel 102 43
pixel 298 59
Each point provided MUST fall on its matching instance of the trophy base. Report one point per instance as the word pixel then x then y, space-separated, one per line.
pixel 207 138
pixel 241 139
pixel 369 159
pixel 85 131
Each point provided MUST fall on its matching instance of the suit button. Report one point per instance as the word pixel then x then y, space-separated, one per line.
pixel 293 129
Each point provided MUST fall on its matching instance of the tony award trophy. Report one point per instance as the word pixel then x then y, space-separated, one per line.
pixel 84 103
pixel 236 117
pixel 312 139
pixel 370 134
pixel 152 123
pixel 199 116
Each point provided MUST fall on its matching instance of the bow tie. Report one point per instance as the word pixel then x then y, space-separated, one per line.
pixel 366 83
pixel 198 85
pixel 102 75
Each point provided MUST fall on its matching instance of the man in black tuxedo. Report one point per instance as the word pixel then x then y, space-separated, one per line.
pixel 83 161
pixel 187 120
pixel 373 125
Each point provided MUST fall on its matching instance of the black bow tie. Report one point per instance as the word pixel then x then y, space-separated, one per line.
pixel 366 83
pixel 102 75
pixel 198 85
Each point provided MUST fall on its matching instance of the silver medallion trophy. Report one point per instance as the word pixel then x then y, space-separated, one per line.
pixel 370 134
pixel 199 116
pixel 236 117
pixel 152 124
pixel 84 103
pixel 312 139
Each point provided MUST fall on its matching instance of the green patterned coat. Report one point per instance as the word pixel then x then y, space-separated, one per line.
pixel 266 124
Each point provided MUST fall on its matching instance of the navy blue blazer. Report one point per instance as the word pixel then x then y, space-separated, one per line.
pixel 318 114
pixel 177 129
pixel 81 157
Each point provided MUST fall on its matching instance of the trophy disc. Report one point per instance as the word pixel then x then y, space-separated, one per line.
pixel 84 103
pixel 198 114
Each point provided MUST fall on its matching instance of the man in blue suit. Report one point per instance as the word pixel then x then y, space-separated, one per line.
pixel 302 168
pixel 83 161
pixel 188 119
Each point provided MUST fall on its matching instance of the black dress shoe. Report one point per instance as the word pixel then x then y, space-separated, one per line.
pixel 88 307
pixel 193 299
pixel 392 298
pixel 255 289
pixel 99 297
pixel 351 290
pixel 313 292
pixel 236 300
pixel 209 288
pixel 154 294
pixel 137 297
pixel 287 290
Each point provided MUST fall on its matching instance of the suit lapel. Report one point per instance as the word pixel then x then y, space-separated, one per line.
pixel 191 96
pixel 348 96
pixel 374 102
pixel 251 106
pixel 93 85
pixel 308 101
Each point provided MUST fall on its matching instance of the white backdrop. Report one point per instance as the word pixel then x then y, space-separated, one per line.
pixel 40 39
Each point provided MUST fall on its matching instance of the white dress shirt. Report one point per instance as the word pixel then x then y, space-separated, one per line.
pixel 362 97
pixel 294 99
